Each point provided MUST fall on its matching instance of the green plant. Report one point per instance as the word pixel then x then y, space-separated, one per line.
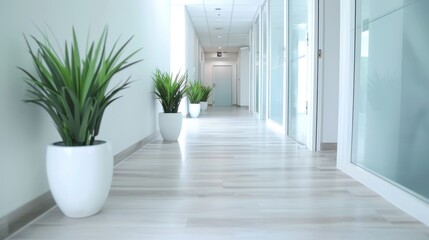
pixel 195 92
pixel 74 91
pixel 206 90
pixel 168 90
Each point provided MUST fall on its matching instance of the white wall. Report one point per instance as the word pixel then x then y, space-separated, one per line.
pixel 244 76
pixel 177 41
pixel 330 70
pixel 227 59
pixel 201 66
pixel 185 47
pixel 25 129
pixel 192 49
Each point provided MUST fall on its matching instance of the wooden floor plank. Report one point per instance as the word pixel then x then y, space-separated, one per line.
pixel 231 177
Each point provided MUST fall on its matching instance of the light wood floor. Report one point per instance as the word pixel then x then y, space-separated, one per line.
pixel 229 177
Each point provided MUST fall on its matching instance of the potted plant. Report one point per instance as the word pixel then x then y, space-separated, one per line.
pixel 75 92
pixel 194 95
pixel 169 91
pixel 206 90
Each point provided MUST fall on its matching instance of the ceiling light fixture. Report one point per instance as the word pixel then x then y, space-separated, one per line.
pixel 219 36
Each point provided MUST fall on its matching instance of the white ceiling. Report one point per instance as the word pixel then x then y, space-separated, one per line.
pixel 227 28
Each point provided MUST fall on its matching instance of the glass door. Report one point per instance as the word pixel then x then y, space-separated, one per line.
pixel 298 70
pixel 277 48
pixel 256 62
pixel 264 64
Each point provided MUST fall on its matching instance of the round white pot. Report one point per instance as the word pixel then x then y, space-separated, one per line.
pixel 203 106
pixel 80 177
pixel 170 125
pixel 194 110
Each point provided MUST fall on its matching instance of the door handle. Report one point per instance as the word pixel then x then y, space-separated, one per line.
pixel 306 107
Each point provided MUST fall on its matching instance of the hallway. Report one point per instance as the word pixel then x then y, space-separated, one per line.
pixel 231 177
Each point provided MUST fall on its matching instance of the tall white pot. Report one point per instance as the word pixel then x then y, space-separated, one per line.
pixel 203 106
pixel 80 177
pixel 194 110
pixel 170 125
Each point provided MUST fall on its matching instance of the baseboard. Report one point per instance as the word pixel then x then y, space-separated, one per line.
pixel 25 214
pixel 35 208
pixel 4 229
pixel 328 146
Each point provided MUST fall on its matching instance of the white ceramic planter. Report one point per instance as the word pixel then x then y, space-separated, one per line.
pixel 80 177
pixel 194 110
pixel 170 125
pixel 203 106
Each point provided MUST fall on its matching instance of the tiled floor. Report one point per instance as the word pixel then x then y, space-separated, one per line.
pixel 229 177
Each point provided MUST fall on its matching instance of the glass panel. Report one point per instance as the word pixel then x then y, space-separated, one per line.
pixel 391 112
pixel 257 60
pixel 276 60
pixel 264 64
pixel 298 67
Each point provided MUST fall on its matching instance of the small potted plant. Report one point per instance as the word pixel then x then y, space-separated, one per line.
pixel 169 91
pixel 206 91
pixel 195 94
pixel 75 93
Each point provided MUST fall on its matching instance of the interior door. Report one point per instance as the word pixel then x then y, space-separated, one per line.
pixel 257 60
pixel 276 66
pixel 264 64
pixel 298 79
pixel 222 85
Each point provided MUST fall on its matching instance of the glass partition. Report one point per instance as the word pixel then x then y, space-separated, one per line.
pixel 277 13
pixel 391 111
pixel 298 69
pixel 256 61
pixel 264 64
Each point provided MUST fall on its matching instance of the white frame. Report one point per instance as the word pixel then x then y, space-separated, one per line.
pixel 318 74
pixel 251 70
pixel 286 68
pixel 397 196
pixel 254 60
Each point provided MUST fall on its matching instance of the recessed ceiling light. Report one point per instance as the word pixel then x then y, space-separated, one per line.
pixel 218 9
pixel 219 36
pixel 219 47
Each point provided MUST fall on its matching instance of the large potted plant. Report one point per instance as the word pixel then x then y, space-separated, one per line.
pixel 169 91
pixel 75 92
pixel 206 90
pixel 195 94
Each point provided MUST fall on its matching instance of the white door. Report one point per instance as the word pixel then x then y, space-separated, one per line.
pixel 222 85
